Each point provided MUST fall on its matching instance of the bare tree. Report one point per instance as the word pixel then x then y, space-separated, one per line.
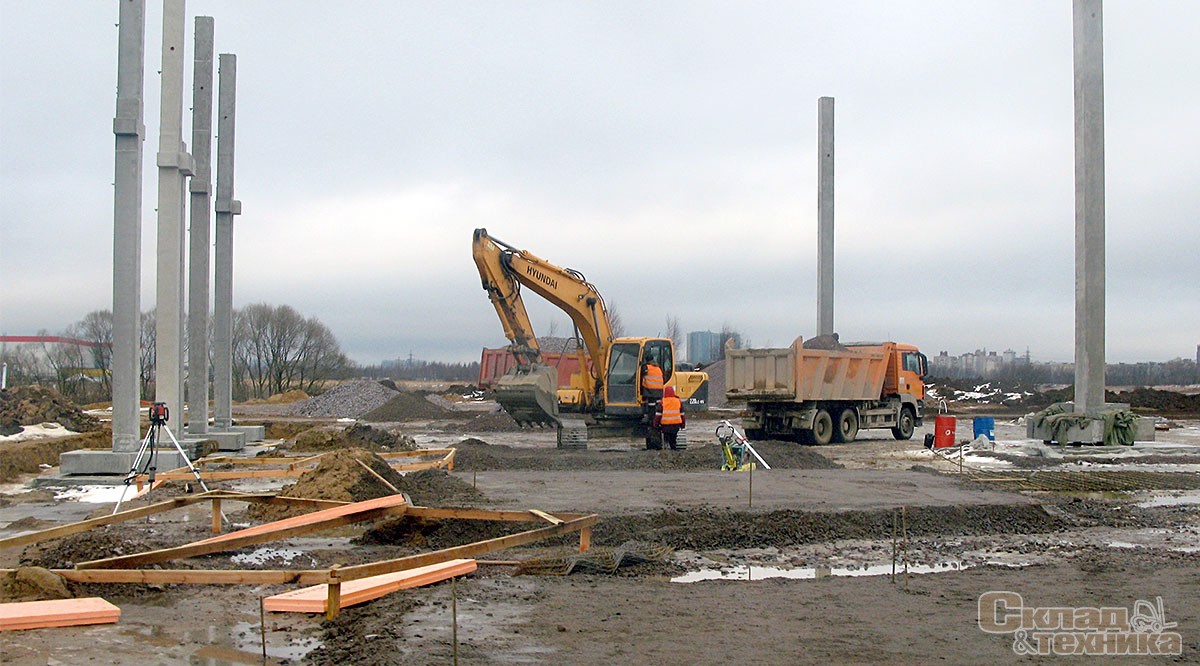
pixel 146 354
pixel 24 366
pixel 96 327
pixel 276 350
pixel 614 320
pixel 728 334
pixel 675 330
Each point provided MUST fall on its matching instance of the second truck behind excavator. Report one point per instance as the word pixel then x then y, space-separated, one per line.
pixel 605 393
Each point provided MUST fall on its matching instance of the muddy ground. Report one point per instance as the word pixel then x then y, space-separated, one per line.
pixel 825 510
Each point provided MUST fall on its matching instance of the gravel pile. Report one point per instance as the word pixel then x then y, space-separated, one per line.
pixel 348 400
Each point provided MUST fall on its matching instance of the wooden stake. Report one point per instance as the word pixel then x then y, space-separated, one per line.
pixel 333 603
pixel 894 522
pixel 750 495
pixel 904 529
pixel 585 538
pixel 216 516
pixel 454 616
pixel 262 628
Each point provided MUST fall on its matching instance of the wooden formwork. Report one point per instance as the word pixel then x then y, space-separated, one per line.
pixel 328 514
pixel 293 466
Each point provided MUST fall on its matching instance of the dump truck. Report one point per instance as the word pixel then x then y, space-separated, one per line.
pixel 826 391
pixel 603 395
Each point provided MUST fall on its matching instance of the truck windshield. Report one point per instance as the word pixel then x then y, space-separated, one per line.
pixel 623 364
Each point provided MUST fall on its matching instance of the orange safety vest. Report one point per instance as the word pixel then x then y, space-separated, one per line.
pixel 672 411
pixel 652 378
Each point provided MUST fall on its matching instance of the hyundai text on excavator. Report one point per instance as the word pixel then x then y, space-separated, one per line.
pixel 604 395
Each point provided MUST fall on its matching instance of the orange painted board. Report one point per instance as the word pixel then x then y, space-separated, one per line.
pixel 57 613
pixel 313 599
pixel 310 518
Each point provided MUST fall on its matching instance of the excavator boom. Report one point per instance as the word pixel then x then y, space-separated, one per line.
pixel 529 394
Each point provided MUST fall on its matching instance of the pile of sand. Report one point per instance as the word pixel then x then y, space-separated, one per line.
pixel 355 436
pixel 31 405
pixel 33 584
pixel 341 476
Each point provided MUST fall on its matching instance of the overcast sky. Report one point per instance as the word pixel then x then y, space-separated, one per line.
pixel 665 149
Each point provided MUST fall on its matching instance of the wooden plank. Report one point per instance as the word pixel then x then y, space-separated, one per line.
pixel 546 517
pixel 57 613
pixel 467 550
pixel 375 474
pixel 85 525
pixel 274 531
pixel 319 598
pixel 192 576
pixel 482 514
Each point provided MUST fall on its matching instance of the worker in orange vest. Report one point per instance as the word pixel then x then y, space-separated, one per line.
pixel 652 380
pixel 669 418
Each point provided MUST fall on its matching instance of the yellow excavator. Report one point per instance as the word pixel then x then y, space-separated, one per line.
pixel 605 394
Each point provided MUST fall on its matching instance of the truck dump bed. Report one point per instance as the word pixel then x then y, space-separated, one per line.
pixel 796 374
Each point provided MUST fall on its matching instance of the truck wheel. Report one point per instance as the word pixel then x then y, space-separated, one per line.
pixel 847 426
pixel 905 426
pixel 822 428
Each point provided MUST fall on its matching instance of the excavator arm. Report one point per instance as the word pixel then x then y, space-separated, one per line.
pixel 504 271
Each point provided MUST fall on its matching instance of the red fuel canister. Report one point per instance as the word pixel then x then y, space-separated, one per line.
pixel 944 430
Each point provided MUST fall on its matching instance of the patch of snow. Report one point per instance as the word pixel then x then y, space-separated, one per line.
pixel 95 494
pixel 39 431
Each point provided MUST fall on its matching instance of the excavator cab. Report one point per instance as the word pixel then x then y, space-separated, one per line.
pixel 626 359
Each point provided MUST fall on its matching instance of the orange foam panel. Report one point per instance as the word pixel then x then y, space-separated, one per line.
pixel 57 613
pixel 314 599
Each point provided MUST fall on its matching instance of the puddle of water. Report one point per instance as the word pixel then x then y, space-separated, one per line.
pixel 280 646
pixel 755 572
pixel 1174 499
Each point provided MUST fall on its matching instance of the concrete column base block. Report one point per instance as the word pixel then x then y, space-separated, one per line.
pixel 254 433
pixel 1092 432
pixel 229 440
pixel 115 463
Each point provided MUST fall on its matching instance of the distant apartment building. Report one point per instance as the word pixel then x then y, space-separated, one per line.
pixel 979 363
pixel 705 346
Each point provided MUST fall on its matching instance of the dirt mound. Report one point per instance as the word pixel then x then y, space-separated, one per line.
pixel 355 436
pixel 295 395
pixel 30 405
pixel 487 422
pixel 27 457
pixel 95 544
pixel 33 584
pixel 342 476
pixel 408 405
pixel 476 455
pixel 707 528
pixel 347 400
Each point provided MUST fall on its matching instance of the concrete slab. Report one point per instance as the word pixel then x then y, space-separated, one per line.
pixel 253 433
pixel 227 440
pixel 113 462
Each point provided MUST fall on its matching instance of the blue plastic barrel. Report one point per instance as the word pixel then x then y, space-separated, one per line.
pixel 985 425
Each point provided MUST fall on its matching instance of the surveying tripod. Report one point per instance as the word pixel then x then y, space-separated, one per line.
pixel 146 461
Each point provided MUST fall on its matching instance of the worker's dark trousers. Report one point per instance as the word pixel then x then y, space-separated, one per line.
pixel 670 435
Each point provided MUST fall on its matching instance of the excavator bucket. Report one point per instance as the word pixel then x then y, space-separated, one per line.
pixel 530 394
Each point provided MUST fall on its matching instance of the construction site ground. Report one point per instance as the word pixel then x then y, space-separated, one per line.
pixel 785 566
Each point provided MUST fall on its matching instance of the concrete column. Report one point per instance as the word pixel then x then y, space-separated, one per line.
pixel 1089 205
pixel 825 216
pixel 200 232
pixel 127 225
pixel 173 165
pixel 226 208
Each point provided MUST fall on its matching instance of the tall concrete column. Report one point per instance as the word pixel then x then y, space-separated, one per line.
pixel 825 216
pixel 127 225
pixel 1089 205
pixel 174 165
pixel 200 234
pixel 226 208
